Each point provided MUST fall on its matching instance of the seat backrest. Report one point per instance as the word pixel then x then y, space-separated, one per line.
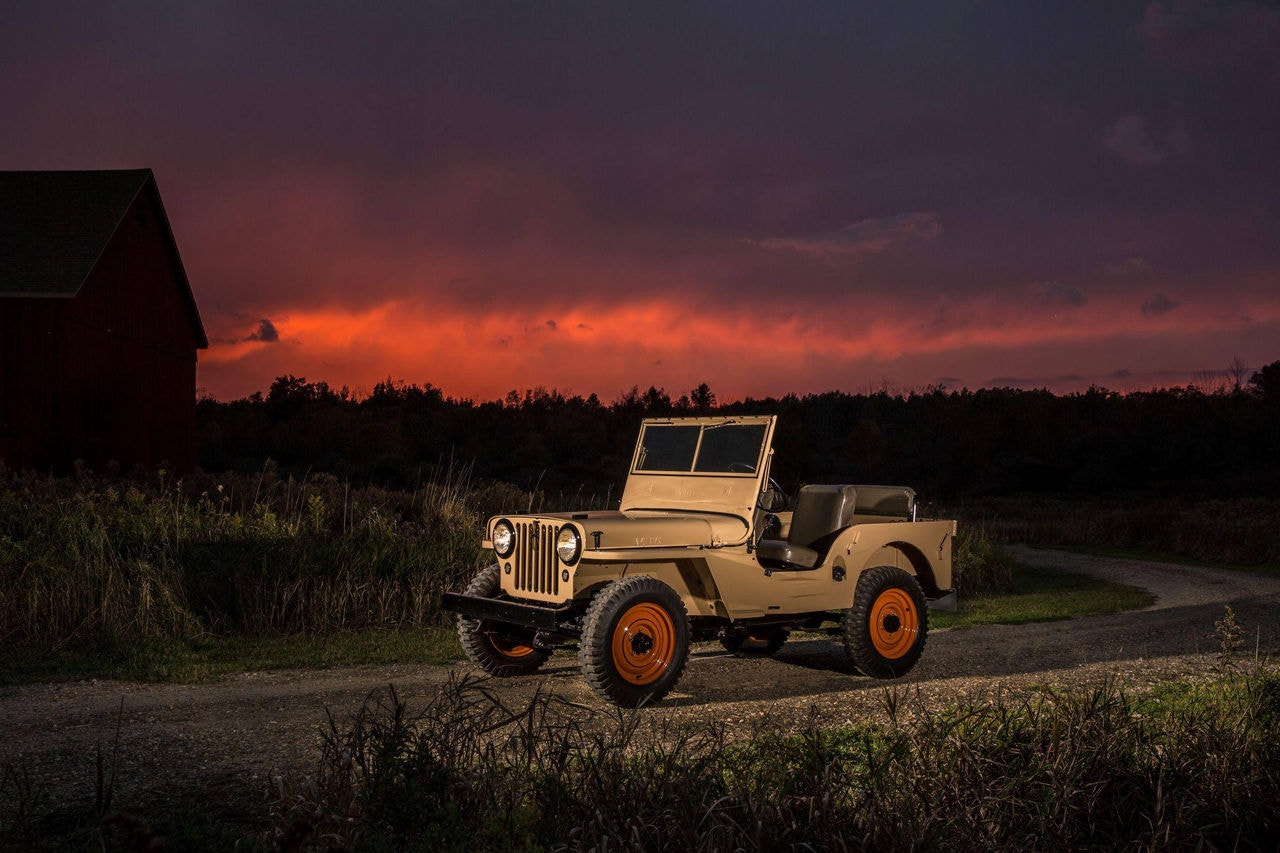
pixel 886 500
pixel 821 511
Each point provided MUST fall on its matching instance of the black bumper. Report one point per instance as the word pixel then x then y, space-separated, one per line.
pixel 509 612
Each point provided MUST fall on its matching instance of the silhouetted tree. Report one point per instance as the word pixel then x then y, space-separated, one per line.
pixel 1266 381
pixel 945 443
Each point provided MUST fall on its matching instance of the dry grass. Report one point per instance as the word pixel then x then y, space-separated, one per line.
pixel 113 562
pixel 1239 531
pixel 1193 768
pixel 87 561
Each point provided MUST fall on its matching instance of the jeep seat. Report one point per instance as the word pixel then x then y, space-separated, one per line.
pixel 820 512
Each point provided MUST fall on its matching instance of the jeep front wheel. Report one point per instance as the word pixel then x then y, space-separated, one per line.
pixel 635 641
pixel 498 649
pixel 885 630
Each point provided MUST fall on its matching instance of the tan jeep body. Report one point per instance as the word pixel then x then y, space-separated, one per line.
pixel 691 516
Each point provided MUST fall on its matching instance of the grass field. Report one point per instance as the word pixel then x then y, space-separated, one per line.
pixel 168 581
pixel 184 580
pixel 1044 595
pixel 1233 533
pixel 204 658
pixel 1038 595
pixel 190 583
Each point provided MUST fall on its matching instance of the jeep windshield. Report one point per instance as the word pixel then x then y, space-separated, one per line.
pixel 725 448
pixel 710 466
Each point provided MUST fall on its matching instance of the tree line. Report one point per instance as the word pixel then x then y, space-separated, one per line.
pixel 1182 441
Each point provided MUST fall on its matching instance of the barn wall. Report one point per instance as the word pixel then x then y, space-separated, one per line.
pixel 30 367
pixel 107 375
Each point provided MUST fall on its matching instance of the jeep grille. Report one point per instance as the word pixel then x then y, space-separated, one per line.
pixel 536 564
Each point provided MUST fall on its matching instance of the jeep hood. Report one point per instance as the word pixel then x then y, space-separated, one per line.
pixel 641 529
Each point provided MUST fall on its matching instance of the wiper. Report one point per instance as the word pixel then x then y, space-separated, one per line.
pixel 729 422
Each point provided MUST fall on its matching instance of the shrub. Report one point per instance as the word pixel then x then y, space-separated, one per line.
pixel 980 564
pixel 1094 768
pixel 119 561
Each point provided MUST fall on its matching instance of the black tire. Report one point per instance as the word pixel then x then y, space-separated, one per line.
pixel 635 641
pixel 886 629
pixel 498 649
pixel 762 642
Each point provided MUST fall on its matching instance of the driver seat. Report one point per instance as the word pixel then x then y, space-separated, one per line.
pixel 821 512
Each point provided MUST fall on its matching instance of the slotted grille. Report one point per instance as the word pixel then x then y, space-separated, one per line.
pixel 536 565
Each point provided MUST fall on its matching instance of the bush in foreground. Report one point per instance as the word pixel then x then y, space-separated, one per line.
pixel 1193 768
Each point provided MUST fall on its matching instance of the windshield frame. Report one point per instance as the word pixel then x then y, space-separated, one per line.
pixel 704 426
pixel 729 498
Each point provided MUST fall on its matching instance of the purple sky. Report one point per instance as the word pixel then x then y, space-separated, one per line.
pixel 765 197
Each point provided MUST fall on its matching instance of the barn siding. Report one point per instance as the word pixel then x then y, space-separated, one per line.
pixel 109 374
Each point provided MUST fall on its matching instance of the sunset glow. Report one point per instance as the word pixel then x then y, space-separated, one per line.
pixel 845 198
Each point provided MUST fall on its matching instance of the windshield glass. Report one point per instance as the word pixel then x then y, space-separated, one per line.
pixel 708 449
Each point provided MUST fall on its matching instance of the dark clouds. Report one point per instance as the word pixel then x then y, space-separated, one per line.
pixel 331 159
pixel 867 237
pixel 1157 304
pixel 266 332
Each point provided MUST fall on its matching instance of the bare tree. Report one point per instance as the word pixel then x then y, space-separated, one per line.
pixel 1237 373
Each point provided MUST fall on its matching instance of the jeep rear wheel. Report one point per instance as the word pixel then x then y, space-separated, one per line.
pixel 500 650
pixel 635 641
pixel 885 630
pixel 760 642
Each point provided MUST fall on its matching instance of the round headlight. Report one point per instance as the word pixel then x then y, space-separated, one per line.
pixel 504 538
pixel 568 545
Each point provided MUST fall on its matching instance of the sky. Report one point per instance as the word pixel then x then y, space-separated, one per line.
pixel 766 197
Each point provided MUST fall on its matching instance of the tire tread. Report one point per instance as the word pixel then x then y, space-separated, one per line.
pixel 857 640
pixel 594 651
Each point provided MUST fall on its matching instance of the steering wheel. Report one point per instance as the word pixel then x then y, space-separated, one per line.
pixel 772 486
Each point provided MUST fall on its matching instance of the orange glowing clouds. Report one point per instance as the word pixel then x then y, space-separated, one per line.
pixel 606 347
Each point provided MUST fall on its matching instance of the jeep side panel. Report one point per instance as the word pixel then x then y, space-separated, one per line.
pixel 922 548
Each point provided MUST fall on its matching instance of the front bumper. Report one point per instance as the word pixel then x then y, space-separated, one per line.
pixel 555 619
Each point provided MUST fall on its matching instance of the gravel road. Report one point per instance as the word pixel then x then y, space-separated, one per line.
pixel 175 740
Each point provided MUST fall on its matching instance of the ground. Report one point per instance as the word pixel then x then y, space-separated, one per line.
pixel 179 741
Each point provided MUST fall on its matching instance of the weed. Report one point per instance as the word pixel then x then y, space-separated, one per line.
pixel 117 562
pixel 1229 635
pixel 1093 768
pixel 1237 532
pixel 980 564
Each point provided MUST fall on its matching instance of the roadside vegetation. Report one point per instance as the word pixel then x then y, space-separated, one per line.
pixel 183 580
pixel 1235 533
pixel 1184 767
pixel 1191 767
pixel 994 589
pixel 157 578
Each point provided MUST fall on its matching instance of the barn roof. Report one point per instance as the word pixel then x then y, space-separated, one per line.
pixel 54 226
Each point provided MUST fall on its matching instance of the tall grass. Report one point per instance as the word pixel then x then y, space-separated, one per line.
pixel 83 559
pixel 1098 768
pixel 980 564
pixel 1240 530
pixel 86 560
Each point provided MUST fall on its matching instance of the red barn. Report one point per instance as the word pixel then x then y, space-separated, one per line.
pixel 98 326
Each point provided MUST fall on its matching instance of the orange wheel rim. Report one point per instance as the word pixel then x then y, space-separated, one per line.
pixel 644 643
pixel 895 623
pixel 507 646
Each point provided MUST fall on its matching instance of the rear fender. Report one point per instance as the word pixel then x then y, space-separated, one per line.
pixel 921 548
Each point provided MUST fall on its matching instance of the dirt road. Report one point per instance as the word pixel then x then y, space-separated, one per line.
pixel 174 739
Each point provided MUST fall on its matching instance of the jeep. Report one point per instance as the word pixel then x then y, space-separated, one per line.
pixel 704 546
